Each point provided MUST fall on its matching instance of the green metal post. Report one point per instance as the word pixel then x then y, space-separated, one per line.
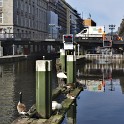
pixel 63 59
pixel 44 88
pixel 71 114
pixel 71 68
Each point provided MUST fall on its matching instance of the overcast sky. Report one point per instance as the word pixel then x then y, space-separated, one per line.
pixel 103 12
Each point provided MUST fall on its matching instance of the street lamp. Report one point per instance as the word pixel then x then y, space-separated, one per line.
pixel 78 49
pixel 9 28
pixel 52 25
pixel 112 88
pixel 13 51
pixel 103 36
pixel 4 29
pixel 111 27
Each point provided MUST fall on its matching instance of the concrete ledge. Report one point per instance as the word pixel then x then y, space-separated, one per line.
pixel 9 59
pixel 54 119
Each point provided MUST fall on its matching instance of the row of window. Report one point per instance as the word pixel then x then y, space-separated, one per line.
pixel 1 14
pixel 30 34
pixel 1 17
pixel 36 22
pixel 24 4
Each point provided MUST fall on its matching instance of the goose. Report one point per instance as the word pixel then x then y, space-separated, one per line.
pixel 70 86
pixel 61 75
pixel 21 107
pixel 56 106
pixel 70 95
pixel 80 81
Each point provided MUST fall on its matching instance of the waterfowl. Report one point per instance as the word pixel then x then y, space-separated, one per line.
pixel 70 95
pixel 70 86
pixel 21 107
pixel 79 81
pixel 56 106
pixel 61 76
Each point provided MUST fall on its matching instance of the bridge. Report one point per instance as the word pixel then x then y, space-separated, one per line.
pixel 23 42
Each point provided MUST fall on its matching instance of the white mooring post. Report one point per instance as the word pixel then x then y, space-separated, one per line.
pixel 63 59
pixel 71 68
pixel 1 50
pixel 44 87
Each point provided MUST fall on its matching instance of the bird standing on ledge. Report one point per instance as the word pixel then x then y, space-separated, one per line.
pixel 56 106
pixel 21 107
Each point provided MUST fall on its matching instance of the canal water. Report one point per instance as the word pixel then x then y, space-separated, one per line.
pixel 95 105
pixel 102 101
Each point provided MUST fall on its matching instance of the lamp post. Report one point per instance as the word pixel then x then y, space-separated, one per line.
pixel 4 29
pixel 13 51
pixel 52 25
pixel 9 28
pixel 103 36
pixel 112 88
pixel 111 27
pixel 78 49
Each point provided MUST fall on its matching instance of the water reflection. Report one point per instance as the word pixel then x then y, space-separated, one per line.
pixel 70 117
pixel 98 77
pixel 16 77
pixel 102 101
pixel 6 93
pixel 101 105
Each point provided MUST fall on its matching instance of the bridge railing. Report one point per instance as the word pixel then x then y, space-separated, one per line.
pixel 100 56
pixel 14 35
pixel 28 36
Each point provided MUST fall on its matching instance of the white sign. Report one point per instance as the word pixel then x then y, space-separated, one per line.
pixel 68 46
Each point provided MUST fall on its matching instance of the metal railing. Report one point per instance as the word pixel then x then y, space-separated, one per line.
pixel 28 36
pixel 14 35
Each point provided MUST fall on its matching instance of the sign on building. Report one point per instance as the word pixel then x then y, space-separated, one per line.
pixel 68 41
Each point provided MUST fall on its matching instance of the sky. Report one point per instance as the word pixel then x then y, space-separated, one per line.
pixel 103 12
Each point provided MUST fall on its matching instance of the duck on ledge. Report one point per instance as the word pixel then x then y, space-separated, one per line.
pixel 70 95
pixel 20 106
pixel 70 86
pixel 56 106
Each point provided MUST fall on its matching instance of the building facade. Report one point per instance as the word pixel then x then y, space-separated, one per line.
pixel 121 29
pixel 74 21
pixel 89 22
pixel 24 18
pixel 30 18
pixel 57 6
pixel 69 21
pixel 34 21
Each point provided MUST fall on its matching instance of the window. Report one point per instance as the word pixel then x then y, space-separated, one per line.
pixel 21 21
pixel 26 7
pixel 17 19
pixel 29 23
pixel 21 5
pixel 17 3
pixel 84 31
pixel 1 3
pixel 29 8
pixel 1 17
